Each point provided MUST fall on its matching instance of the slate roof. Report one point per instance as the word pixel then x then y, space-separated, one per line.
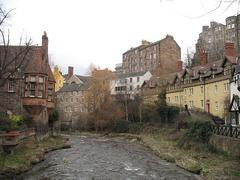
pixel 73 87
pixel 35 62
pixel 131 74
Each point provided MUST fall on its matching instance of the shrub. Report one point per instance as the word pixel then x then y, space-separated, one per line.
pixel 150 114
pixel 13 122
pixel 168 113
pixel 121 126
pixel 198 132
pixel 136 128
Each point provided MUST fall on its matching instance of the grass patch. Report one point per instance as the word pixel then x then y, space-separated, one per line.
pixel 198 160
pixel 28 153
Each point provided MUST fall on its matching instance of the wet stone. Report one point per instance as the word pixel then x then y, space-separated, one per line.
pixel 104 158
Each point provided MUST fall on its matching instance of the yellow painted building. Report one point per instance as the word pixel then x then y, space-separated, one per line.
pixel 203 88
pixel 58 78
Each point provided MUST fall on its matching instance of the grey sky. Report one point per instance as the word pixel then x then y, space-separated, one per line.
pixel 100 31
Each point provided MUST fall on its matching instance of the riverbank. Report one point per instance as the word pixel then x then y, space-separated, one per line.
pixel 197 159
pixel 29 153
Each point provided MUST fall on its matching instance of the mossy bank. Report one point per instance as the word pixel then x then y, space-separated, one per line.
pixel 27 154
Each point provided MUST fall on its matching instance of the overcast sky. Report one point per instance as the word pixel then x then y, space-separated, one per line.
pixel 100 31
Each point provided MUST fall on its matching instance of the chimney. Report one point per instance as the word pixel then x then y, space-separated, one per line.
pixel 70 71
pixel 45 40
pixel 145 43
pixel 203 57
pixel 229 49
pixel 179 65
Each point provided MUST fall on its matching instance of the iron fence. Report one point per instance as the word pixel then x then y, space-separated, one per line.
pixel 226 130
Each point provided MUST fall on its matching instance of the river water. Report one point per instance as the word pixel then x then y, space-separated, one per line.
pixel 105 159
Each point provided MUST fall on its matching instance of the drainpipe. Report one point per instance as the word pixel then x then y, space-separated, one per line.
pixel 204 96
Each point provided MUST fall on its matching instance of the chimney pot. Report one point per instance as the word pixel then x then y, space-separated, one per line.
pixel 70 71
pixel 179 65
pixel 203 58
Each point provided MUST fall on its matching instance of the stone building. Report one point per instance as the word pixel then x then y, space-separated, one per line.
pixel 71 103
pixel 71 99
pixel 58 78
pixel 130 83
pixel 162 55
pixel 205 87
pixel 30 90
pixel 213 38
pixel 233 31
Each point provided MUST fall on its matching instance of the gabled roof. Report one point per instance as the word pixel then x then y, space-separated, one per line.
pixel 234 105
pixel 35 62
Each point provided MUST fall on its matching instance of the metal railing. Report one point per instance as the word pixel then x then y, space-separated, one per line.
pixel 224 130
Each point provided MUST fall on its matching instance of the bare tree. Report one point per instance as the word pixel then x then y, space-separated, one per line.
pixel 12 59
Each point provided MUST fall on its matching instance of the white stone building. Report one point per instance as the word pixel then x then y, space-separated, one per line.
pixel 129 83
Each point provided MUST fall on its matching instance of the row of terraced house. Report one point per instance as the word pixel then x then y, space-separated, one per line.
pixel 208 87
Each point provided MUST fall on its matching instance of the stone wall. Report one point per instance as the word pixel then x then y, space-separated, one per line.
pixel 226 144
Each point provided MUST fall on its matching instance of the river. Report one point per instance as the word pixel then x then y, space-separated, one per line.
pixel 92 158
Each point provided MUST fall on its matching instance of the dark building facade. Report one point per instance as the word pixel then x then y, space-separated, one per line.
pixel 30 90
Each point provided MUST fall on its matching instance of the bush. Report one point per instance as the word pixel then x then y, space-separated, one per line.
pixel 13 122
pixel 168 113
pixel 121 126
pixel 136 128
pixel 198 132
pixel 150 114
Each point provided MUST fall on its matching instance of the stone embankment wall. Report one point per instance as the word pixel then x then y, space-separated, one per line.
pixel 226 144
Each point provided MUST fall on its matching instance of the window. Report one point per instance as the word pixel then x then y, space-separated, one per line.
pixel 226 87
pixel 202 105
pixel 185 92
pixel 202 90
pixel 50 91
pixel 130 80
pixel 11 85
pixel 216 105
pixel 40 90
pixel 130 88
pixel 40 86
pixel 138 87
pixel 169 99
pixel 32 89
pixel 191 91
pixel 138 79
pixel 216 88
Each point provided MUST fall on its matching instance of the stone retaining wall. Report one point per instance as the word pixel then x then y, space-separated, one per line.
pixel 226 144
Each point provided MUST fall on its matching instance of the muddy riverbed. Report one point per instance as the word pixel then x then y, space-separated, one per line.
pixel 105 158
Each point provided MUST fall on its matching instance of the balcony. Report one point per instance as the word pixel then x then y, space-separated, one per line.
pixel 34 105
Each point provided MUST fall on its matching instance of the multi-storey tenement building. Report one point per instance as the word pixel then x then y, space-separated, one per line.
pixel 213 37
pixel 71 99
pixel 205 87
pixel 161 55
pixel 30 90
pixel 233 31
pixel 211 40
